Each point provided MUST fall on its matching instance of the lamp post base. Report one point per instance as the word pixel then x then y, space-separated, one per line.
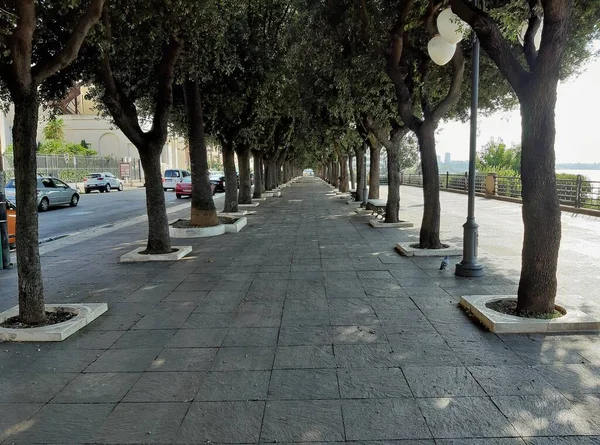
pixel 469 270
pixel 469 267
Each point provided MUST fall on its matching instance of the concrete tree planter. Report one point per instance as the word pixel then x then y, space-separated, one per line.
pixel 573 320
pixel 409 249
pixel 248 206
pixel 234 225
pixel 136 257
pixel 85 314
pixel 383 225
pixel 179 229
pixel 230 223
pixel 235 214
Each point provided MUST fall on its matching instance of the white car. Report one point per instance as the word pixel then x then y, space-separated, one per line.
pixel 174 176
pixel 103 182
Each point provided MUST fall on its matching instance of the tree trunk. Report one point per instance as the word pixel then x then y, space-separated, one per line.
pixel 429 237
pixel 360 176
pixel 231 190
pixel 392 207
pixel 31 287
pixel 156 208
pixel 285 172
pixel 374 172
pixel 270 173
pixel 258 176
pixel 267 173
pixel 352 177
pixel 335 175
pixel 541 207
pixel 245 194
pixel 343 174
pixel 203 212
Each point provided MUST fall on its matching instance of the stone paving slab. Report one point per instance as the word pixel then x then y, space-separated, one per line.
pixel 306 327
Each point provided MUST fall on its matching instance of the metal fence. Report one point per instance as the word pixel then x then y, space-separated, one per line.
pixel 571 192
pixel 74 168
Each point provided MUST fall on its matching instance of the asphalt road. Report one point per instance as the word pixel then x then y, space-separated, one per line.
pixel 98 209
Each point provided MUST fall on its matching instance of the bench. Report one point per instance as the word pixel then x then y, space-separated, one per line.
pixel 353 195
pixel 377 206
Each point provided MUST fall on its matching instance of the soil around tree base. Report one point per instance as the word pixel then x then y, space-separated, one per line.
pixel 51 318
pixel 185 223
pixel 509 307
pixel 145 252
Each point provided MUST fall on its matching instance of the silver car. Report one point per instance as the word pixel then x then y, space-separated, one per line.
pixel 103 182
pixel 50 192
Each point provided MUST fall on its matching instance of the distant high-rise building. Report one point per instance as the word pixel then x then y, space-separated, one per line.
pixel 447 158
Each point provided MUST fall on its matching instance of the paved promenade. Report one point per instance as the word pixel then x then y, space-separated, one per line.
pixel 304 327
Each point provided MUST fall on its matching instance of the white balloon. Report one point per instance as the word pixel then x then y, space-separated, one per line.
pixel 440 51
pixel 450 26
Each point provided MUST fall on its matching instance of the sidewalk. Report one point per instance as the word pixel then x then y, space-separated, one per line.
pixel 304 327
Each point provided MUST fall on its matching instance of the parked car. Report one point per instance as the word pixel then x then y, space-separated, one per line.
pixel 172 177
pixel 103 182
pixel 11 216
pixel 50 192
pixel 184 188
pixel 217 179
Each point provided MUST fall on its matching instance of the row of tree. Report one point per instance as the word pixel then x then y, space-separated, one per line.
pixel 289 83
pixel 374 40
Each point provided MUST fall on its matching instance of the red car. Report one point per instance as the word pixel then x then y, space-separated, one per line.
pixel 184 188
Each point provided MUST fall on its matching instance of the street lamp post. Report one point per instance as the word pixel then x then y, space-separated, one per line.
pixel 469 266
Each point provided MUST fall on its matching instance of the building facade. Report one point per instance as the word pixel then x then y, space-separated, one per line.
pixel 83 123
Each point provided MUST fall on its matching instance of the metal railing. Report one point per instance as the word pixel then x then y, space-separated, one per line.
pixel 74 168
pixel 576 192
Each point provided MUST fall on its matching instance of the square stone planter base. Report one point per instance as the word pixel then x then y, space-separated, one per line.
pixel 136 257
pixel 196 232
pixel 234 214
pixel 259 199
pixel 248 206
pixel 236 226
pixel 86 313
pixel 575 320
pixel 382 225
pixel 406 250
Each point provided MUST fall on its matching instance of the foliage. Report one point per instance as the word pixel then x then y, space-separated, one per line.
pixel 56 147
pixel 497 155
pixel 501 172
pixel 72 174
pixel 55 129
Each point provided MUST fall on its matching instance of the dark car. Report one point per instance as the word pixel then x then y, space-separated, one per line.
pixel 218 182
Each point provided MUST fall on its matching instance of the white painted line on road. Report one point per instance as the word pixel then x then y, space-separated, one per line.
pixel 78 237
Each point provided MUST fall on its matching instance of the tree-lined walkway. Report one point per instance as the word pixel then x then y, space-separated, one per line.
pixel 304 327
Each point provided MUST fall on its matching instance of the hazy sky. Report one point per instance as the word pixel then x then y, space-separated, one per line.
pixel 577 123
